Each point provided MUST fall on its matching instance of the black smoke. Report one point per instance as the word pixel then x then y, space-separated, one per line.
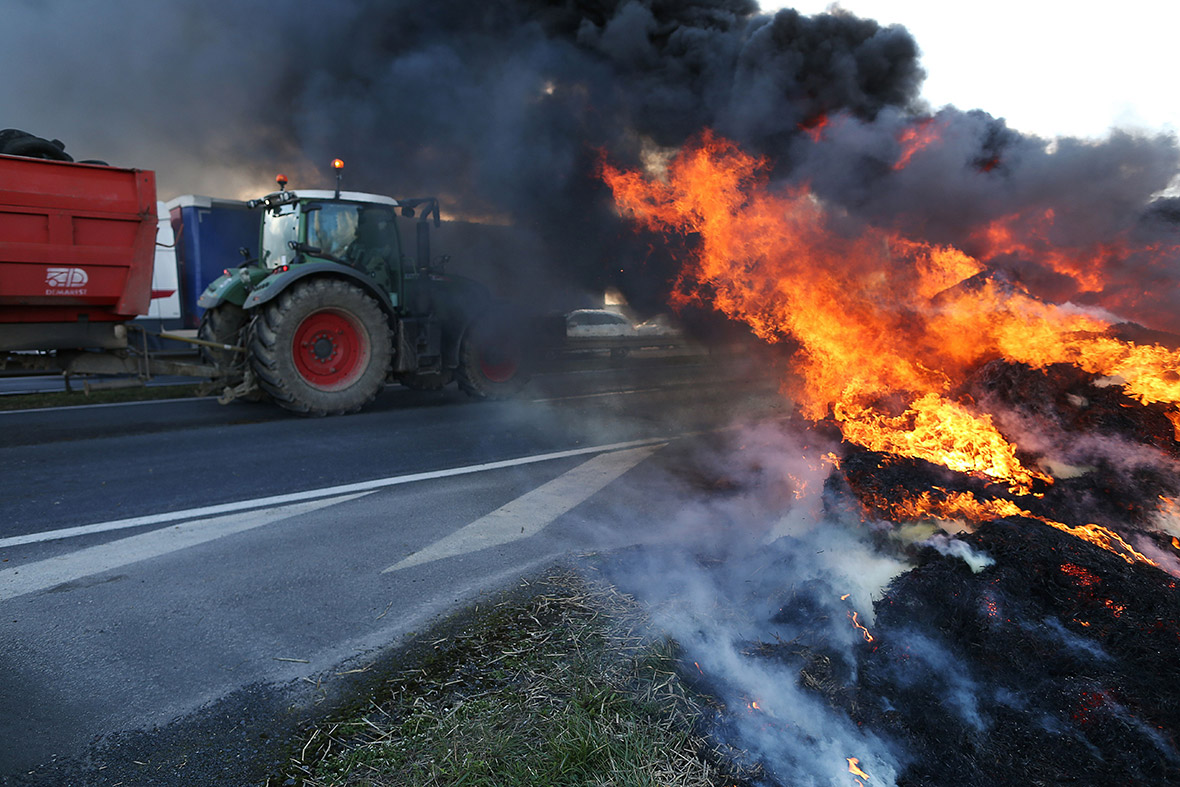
pixel 502 108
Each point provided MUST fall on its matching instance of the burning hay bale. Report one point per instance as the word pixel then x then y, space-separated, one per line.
pixel 1058 663
pixel 970 400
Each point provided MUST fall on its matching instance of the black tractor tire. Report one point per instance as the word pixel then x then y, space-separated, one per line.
pixel 224 324
pixel 494 359
pixel 322 347
pixel 36 147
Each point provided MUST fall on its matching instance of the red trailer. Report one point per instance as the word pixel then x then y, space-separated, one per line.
pixel 76 250
pixel 77 247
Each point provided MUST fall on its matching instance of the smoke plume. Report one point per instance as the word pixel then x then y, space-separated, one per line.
pixel 504 110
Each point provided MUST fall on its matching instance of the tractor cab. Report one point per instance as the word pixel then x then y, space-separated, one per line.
pixel 353 229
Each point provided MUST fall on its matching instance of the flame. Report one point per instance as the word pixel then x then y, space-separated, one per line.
pixel 887 327
pixel 864 631
pixel 1035 236
pixel 914 139
pixel 1174 417
pixel 949 506
pixel 814 127
pixel 941 431
pixel 854 767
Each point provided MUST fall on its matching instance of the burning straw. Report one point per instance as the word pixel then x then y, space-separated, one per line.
pixel 1040 642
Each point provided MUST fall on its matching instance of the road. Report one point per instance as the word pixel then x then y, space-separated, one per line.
pixel 182 582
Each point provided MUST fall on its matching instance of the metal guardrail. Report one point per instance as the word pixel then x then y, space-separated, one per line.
pixel 577 343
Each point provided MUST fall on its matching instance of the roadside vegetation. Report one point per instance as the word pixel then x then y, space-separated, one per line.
pixel 561 685
pixel 36 401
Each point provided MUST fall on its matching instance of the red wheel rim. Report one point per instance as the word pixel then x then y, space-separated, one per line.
pixel 499 363
pixel 331 349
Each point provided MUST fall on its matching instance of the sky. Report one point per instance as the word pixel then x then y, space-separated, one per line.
pixel 1048 67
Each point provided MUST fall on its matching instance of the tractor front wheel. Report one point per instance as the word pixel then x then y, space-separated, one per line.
pixel 323 347
pixel 223 324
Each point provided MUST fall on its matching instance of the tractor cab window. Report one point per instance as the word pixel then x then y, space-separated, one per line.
pixel 279 225
pixel 363 236
pixel 331 227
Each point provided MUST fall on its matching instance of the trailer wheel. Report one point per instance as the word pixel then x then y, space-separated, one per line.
pixel 493 359
pixel 323 347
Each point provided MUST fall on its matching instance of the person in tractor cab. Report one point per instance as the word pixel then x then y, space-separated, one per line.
pixel 371 250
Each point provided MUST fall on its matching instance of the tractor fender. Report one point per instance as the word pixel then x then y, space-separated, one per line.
pixel 273 285
pixel 227 288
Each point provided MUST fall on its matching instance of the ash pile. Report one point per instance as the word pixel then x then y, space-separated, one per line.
pixel 1071 646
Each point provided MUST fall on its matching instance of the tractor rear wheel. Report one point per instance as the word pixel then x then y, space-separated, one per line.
pixel 323 347
pixel 493 361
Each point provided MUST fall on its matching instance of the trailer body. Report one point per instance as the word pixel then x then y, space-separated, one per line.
pixel 77 245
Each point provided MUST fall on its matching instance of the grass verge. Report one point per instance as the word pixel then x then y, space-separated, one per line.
pixel 68 398
pixel 566 685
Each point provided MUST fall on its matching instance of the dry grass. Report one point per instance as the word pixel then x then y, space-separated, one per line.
pixel 565 686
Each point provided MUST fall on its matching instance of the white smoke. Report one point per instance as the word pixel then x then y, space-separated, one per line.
pixel 953 547
pixel 752 585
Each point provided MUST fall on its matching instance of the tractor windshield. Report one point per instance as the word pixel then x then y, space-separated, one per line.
pixel 279 225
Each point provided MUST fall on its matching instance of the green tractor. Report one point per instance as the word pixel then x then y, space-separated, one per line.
pixel 332 309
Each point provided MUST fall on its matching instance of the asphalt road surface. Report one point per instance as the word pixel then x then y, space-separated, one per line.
pixel 182 582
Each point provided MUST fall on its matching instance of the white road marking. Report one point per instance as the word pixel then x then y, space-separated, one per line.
pixel 54 571
pixel 311 494
pixel 532 512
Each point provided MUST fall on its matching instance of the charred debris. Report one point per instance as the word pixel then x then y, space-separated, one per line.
pixel 1051 660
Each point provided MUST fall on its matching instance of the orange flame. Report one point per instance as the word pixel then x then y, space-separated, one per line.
pixel 965 506
pixel 914 139
pixel 1035 236
pixel 887 326
pixel 854 767
pixel 864 631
